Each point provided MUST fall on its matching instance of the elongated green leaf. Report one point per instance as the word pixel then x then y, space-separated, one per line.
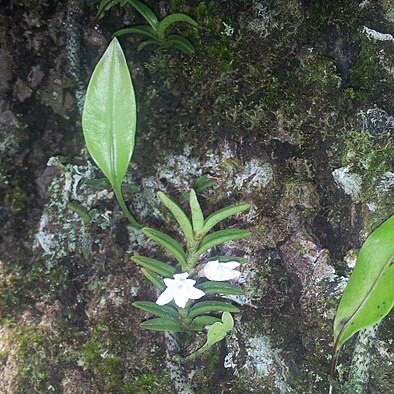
pixel 216 217
pixel 211 306
pixel 220 237
pixel 200 322
pixel 369 295
pixel 169 20
pixel 167 243
pixel 197 215
pixel 158 310
pixel 179 215
pixel 154 278
pixel 109 115
pixel 212 287
pixel 161 324
pixel 179 42
pixel 146 12
pixel 104 6
pixel 156 266
pixel 152 41
pixel 143 29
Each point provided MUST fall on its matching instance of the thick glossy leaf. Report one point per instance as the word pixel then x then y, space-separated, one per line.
pixel 200 322
pixel 167 243
pixel 109 115
pixel 169 20
pixel 152 41
pixel 146 12
pixel 143 29
pixel 179 42
pixel 154 278
pixel 158 310
pixel 211 306
pixel 197 215
pixel 179 215
pixel 218 331
pixel 216 217
pixel 369 295
pixel 153 265
pixel 220 237
pixel 212 287
pixel 161 324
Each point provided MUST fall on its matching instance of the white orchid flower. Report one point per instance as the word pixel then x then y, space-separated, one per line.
pixel 214 270
pixel 180 289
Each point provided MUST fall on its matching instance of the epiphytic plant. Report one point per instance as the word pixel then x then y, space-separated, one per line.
pixel 156 32
pixel 189 276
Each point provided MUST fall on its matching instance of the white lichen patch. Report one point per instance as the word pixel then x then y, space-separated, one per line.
pixel 377 36
pixel 349 182
pixel 259 355
pixel 261 22
pixel 61 230
pixel 255 175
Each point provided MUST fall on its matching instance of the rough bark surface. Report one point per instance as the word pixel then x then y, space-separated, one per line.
pixel 287 105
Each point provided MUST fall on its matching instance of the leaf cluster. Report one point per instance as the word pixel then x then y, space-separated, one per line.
pixel 156 32
pixel 198 239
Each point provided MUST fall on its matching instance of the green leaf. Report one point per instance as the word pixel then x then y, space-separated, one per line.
pixel 109 115
pixel 212 287
pixel 218 331
pixel 200 322
pixel 145 43
pixel 197 215
pixel 143 29
pixel 216 217
pixel 154 278
pixel 179 42
pixel 211 306
pixel 81 212
pixel 158 310
pixel 161 324
pixel 169 20
pixel 105 5
pixel 109 119
pixel 157 266
pixel 167 243
pixel 369 295
pixel 202 183
pixel 220 237
pixel 146 12
pixel 179 215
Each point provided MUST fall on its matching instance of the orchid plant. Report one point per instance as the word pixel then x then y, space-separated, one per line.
pixel 190 284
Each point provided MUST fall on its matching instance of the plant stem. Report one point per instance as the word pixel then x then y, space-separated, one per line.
pixel 123 206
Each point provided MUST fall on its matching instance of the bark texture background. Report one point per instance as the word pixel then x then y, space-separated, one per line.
pixel 287 105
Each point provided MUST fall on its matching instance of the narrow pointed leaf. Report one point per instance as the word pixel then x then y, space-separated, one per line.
pixel 179 42
pixel 197 215
pixel 220 237
pixel 154 278
pixel 146 12
pixel 179 215
pixel 105 5
pixel 161 324
pixel 152 41
pixel 158 310
pixel 153 265
pixel 167 243
pixel 109 115
pixel 216 217
pixel 143 29
pixel 200 322
pixel 212 287
pixel 169 20
pixel 369 295
pixel 204 307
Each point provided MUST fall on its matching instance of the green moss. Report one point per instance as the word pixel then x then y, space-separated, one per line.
pixel 147 383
